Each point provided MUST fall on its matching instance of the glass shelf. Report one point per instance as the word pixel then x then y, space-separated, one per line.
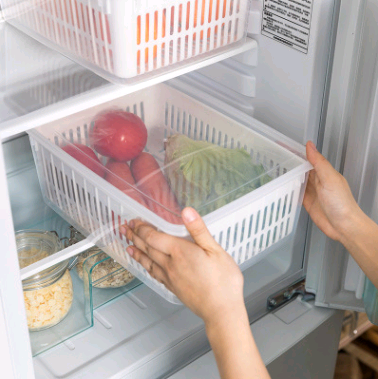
pixel 50 85
pixel 47 78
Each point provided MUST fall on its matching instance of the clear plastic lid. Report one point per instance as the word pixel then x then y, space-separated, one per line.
pixel 34 245
pixel 167 171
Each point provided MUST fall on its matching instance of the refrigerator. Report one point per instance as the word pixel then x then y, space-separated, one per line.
pixel 314 79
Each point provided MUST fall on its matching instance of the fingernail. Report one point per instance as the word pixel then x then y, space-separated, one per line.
pixel 122 229
pixel 131 224
pixel 189 215
pixel 312 146
pixel 130 251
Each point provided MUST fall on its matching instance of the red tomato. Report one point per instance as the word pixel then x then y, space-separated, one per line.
pixel 119 135
pixel 86 156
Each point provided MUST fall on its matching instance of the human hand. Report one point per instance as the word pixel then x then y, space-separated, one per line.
pixel 201 274
pixel 328 198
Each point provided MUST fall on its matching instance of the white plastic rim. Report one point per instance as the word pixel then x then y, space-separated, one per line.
pixel 245 228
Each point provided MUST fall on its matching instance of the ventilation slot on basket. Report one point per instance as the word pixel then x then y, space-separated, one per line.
pixel 267 239
pixel 79 28
pixel 275 234
pixel 189 29
pixel 242 232
pixel 183 126
pixel 150 34
pixel 235 235
pixel 257 222
pixel 66 186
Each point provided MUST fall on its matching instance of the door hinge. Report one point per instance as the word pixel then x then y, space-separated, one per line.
pixel 289 293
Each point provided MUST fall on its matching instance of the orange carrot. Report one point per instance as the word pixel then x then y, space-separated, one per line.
pixel 120 177
pixel 151 181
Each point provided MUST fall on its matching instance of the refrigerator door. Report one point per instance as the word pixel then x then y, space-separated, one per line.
pixel 333 94
pixel 350 143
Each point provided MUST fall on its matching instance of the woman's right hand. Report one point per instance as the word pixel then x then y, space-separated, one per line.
pixel 328 198
pixel 331 205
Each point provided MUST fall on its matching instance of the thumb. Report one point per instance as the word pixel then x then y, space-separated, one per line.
pixel 322 167
pixel 197 229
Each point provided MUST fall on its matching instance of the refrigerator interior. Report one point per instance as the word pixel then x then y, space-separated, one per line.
pixel 140 335
pixel 139 326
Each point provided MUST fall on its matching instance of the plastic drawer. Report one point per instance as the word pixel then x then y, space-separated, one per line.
pixel 126 38
pixel 245 228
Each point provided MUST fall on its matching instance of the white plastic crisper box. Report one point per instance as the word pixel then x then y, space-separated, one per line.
pixel 245 228
pixel 126 38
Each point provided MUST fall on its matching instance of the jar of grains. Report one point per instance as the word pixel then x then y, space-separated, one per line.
pixel 48 295
pixel 105 272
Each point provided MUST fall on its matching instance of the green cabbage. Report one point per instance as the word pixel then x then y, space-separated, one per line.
pixel 206 176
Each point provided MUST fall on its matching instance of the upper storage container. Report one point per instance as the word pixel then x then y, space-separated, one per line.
pixel 243 180
pixel 126 38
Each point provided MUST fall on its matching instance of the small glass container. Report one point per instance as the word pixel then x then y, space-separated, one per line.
pixel 101 271
pixel 106 272
pixel 48 295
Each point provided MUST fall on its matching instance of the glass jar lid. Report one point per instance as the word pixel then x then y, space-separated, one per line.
pixel 34 245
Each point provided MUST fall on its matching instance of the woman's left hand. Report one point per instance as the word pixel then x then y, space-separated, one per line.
pixel 201 274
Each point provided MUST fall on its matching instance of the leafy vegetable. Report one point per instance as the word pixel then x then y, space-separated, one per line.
pixel 206 176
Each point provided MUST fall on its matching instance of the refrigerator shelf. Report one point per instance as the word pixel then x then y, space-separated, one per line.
pixel 40 94
pixel 60 256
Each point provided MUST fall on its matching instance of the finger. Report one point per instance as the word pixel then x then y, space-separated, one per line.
pixel 149 236
pixel 157 256
pixel 198 230
pixel 152 267
pixel 309 198
pixel 322 167
pixel 123 230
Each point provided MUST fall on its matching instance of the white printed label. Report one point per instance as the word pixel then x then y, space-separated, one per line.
pixel 288 22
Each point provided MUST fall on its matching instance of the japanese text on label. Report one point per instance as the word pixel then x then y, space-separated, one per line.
pixel 288 22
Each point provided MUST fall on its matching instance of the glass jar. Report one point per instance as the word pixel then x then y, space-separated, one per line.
pixel 48 295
